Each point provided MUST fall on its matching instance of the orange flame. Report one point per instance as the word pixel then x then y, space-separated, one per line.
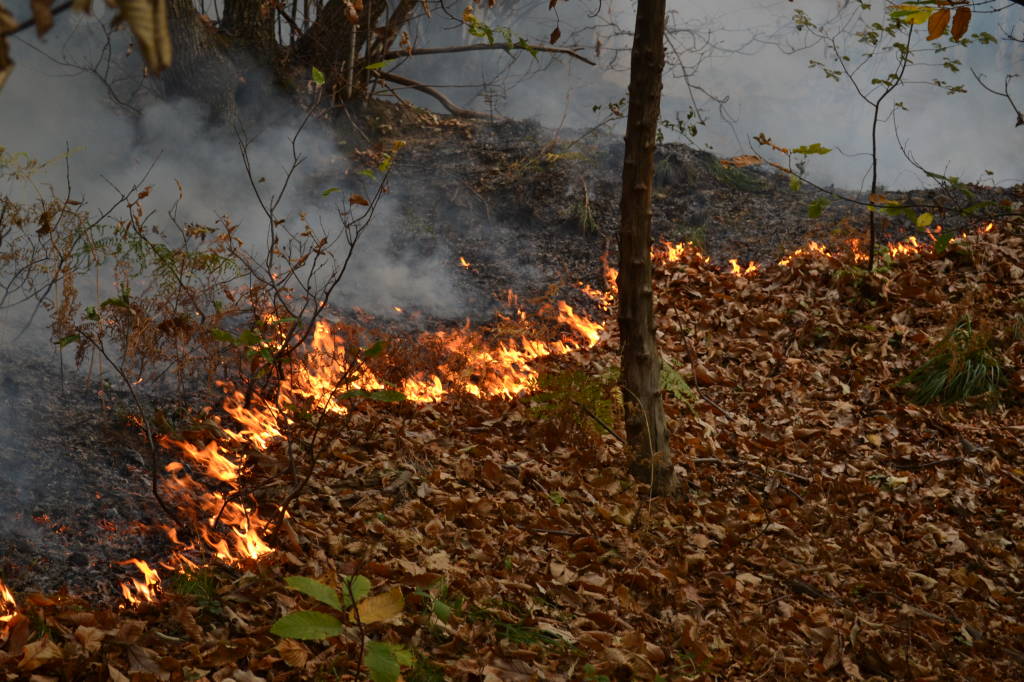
pixel 742 272
pixel 8 610
pixel 140 591
pixel 589 330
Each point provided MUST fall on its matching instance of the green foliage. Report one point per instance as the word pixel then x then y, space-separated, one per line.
pixel 815 148
pixel 673 383
pixel 317 590
pixel 385 660
pixel 425 671
pixel 199 584
pixel 962 365
pixel 308 625
pixel 569 401
pixel 816 207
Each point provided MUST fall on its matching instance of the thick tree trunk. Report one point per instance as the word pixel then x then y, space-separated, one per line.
pixel 201 70
pixel 251 23
pixel 337 46
pixel 646 432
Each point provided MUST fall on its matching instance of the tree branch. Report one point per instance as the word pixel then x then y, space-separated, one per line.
pixel 28 23
pixel 398 54
pixel 433 92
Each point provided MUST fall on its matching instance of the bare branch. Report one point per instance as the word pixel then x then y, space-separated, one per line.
pixel 415 52
pixel 451 106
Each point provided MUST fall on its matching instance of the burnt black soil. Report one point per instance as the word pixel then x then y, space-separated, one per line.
pixel 75 485
pixel 534 211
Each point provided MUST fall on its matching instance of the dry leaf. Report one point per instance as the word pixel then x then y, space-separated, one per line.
pixel 380 607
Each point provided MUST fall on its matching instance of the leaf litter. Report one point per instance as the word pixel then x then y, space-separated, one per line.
pixel 830 529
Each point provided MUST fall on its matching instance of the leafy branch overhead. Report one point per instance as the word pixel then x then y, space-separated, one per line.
pixel 147 20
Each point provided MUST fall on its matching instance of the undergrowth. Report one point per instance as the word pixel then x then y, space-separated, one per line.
pixel 964 364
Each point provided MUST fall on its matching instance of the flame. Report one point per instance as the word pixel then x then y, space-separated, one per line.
pixel 8 607
pixel 470 365
pixel 138 592
pixel 589 330
pixel 742 272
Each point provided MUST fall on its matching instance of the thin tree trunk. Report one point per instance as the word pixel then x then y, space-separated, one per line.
pixel 646 432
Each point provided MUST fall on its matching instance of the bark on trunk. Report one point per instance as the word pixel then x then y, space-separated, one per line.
pixel 338 47
pixel 251 23
pixel 646 432
pixel 201 69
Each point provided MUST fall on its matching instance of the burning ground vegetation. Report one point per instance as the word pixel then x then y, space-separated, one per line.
pixel 851 445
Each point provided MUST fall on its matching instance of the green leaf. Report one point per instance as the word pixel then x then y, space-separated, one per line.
pixel 925 219
pixel 385 660
pixel 307 625
pixel 91 314
pixel 119 302
pixel 315 589
pixel 249 338
pixel 794 183
pixel 225 336
pixel 815 148
pixel 442 611
pixel 374 350
pixel 355 590
pixel 380 395
pixel 815 208
pixel 378 65
pixel 386 396
pixel 318 76
pixel 330 191
pixel 69 339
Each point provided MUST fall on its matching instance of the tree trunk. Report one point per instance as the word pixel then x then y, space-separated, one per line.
pixel 251 23
pixel 201 70
pixel 646 434
pixel 337 46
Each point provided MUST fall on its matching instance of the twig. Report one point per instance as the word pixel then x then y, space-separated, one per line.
pixel 912 466
pixel 795 477
pixel 599 421
pixel 398 54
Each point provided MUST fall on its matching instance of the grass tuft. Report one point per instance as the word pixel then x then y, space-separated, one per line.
pixel 964 364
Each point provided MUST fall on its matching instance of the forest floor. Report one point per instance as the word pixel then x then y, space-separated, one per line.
pixel 829 528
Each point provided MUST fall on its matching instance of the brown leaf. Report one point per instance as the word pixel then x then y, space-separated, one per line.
pixel 937 23
pixel 555 35
pixel 148 22
pixel 293 653
pixel 43 16
pixel 358 199
pixel 115 674
pixel 90 638
pixel 38 653
pixel 742 161
pixel 961 20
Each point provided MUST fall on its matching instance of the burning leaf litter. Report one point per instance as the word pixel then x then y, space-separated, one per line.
pixel 830 524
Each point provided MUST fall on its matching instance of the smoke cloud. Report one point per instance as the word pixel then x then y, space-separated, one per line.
pixel 745 55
